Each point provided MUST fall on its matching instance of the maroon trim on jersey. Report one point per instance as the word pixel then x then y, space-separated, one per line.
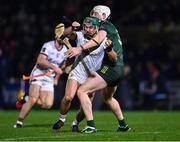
pixel 44 54
pixel 58 49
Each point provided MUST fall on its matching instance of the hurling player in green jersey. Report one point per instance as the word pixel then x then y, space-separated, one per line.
pixel 110 73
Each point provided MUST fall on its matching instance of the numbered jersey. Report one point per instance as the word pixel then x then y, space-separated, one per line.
pixel 112 34
pixel 93 60
pixel 54 56
pixel 111 71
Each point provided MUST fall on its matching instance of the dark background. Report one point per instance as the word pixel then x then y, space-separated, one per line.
pixel 149 29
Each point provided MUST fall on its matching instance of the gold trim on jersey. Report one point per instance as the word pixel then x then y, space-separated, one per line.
pixel 104 69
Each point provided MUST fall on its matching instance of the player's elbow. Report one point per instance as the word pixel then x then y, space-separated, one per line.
pixel 42 62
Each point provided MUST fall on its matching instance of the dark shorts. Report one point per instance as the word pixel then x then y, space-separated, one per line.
pixel 112 75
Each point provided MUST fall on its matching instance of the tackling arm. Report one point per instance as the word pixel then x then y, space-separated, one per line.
pixel 112 55
pixel 110 51
pixel 96 41
pixel 101 35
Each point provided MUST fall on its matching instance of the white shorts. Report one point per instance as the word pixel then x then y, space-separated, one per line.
pixel 44 84
pixel 79 73
pixel 80 78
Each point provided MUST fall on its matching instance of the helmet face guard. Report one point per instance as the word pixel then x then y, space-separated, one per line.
pixel 102 10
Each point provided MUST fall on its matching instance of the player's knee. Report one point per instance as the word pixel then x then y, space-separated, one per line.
pixel 67 99
pixel 107 100
pixel 32 100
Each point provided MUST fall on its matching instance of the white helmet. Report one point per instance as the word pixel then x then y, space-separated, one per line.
pixel 101 9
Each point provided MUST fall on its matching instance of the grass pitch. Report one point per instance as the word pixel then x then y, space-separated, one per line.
pixel 146 126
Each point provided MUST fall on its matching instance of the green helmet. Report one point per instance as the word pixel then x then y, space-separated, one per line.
pixel 92 20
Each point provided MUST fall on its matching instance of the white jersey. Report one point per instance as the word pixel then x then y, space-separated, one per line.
pixel 93 60
pixel 55 57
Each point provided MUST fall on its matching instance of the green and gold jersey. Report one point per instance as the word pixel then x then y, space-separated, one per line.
pixel 112 34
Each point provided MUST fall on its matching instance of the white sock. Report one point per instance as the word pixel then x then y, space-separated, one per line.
pixel 75 122
pixel 62 118
pixel 26 98
pixel 19 122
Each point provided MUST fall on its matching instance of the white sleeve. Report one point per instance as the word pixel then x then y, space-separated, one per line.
pixel 44 50
pixel 80 38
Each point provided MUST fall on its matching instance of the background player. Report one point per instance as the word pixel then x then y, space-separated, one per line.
pixel 41 89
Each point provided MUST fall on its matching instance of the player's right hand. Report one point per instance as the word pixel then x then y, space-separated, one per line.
pixel 72 52
pixel 58 70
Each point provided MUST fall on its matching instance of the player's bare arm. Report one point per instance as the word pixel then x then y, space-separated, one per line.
pixel 43 63
pixel 110 51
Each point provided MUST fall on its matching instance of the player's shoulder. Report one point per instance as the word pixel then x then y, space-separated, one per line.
pixel 49 43
pixel 107 24
pixel 79 32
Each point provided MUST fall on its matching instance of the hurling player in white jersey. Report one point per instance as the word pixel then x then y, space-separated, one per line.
pixel 84 66
pixel 41 90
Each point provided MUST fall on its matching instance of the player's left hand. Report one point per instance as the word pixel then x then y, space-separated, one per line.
pixel 72 52
pixel 108 45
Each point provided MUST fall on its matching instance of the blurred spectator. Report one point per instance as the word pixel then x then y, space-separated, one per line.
pixel 3 75
pixel 10 90
pixel 127 89
pixel 154 89
pixel 1 78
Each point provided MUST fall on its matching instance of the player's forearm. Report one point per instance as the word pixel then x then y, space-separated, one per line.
pixel 44 64
pixel 110 51
pixel 96 40
pixel 112 55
